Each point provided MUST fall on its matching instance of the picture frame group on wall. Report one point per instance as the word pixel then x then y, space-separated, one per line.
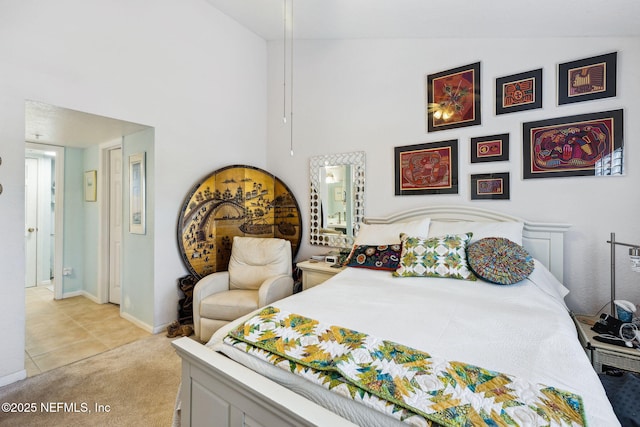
pixel 430 168
pixel 492 148
pixel 519 92
pixel 587 79
pixel 453 98
pixel 490 186
pixel 580 145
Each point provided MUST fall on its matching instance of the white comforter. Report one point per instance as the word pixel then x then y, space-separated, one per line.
pixel 524 330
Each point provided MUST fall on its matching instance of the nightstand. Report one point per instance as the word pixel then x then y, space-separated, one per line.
pixel 603 354
pixel 316 272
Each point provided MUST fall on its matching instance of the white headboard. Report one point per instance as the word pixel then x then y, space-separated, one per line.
pixel 544 241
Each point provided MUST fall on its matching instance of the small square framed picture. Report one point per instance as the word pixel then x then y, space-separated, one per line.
pixel 493 148
pixel 519 92
pixel 490 186
pixel 587 79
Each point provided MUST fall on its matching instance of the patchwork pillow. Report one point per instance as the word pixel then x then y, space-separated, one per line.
pixel 443 256
pixel 499 260
pixel 382 257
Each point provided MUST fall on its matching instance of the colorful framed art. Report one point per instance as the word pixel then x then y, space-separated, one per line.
pixel 493 148
pixel 453 98
pixel 587 79
pixel 490 186
pixel 581 145
pixel 519 92
pixel 430 168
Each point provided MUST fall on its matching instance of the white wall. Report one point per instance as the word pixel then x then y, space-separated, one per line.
pixel 368 95
pixel 182 67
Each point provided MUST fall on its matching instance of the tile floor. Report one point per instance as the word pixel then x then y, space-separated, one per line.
pixel 59 332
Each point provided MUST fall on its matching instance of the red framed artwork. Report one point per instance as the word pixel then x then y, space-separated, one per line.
pixel 519 92
pixel 587 79
pixel 493 148
pixel 453 98
pixel 430 168
pixel 490 186
pixel 582 145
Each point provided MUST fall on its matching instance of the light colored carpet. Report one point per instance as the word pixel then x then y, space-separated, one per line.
pixel 137 383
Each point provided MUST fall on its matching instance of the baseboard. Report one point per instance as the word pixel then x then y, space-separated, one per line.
pixel 74 294
pixel 137 322
pixel 12 378
pixel 161 328
pixel 89 296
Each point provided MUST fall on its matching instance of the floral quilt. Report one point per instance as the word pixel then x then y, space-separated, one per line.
pixel 404 383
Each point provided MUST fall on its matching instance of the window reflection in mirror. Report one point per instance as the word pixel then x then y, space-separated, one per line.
pixel 337 198
pixel 335 183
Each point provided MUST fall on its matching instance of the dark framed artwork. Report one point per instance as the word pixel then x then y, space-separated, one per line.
pixel 587 79
pixel 493 148
pixel 234 201
pixel 581 145
pixel 519 92
pixel 490 186
pixel 453 98
pixel 430 168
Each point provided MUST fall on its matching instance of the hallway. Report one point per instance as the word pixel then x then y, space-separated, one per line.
pixel 60 332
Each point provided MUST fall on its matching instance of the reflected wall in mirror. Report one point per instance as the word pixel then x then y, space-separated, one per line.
pixel 337 198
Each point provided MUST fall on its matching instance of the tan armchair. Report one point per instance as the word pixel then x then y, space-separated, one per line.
pixel 259 273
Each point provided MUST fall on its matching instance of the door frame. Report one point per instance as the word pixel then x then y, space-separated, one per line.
pixel 103 218
pixel 58 286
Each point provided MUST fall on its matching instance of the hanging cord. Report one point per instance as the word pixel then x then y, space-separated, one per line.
pixel 291 84
pixel 284 64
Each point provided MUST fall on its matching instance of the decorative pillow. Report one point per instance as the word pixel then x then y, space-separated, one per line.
pixel 480 230
pixel 499 260
pixel 382 257
pixel 443 256
pixel 389 234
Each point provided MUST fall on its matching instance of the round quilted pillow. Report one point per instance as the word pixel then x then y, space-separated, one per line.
pixel 499 260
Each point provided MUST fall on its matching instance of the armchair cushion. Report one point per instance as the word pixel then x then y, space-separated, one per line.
pixel 229 305
pixel 255 259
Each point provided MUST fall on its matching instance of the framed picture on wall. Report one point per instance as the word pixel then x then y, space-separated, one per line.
pixel 137 214
pixel 581 145
pixel 490 186
pixel 519 92
pixel 90 193
pixel 587 79
pixel 430 168
pixel 493 148
pixel 453 98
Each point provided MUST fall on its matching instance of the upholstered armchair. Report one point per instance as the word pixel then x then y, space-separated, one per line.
pixel 259 273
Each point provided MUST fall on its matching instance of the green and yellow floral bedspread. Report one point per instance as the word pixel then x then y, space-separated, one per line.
pixel 404 383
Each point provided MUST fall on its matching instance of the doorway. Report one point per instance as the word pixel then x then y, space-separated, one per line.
pixel 44 171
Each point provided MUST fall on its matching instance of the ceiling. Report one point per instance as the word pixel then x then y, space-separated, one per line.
pixel 50 124
pixel 345 19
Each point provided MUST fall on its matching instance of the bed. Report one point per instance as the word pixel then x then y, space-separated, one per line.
pixel 523 331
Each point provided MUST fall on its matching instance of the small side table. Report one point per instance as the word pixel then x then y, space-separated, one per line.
pixel 316 272
pixel 603 354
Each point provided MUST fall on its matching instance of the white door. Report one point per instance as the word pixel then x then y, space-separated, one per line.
pixel 31 220
pixel 115 223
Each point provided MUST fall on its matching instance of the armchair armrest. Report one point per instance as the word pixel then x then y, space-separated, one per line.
pixel 208 285
pixel 274 289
